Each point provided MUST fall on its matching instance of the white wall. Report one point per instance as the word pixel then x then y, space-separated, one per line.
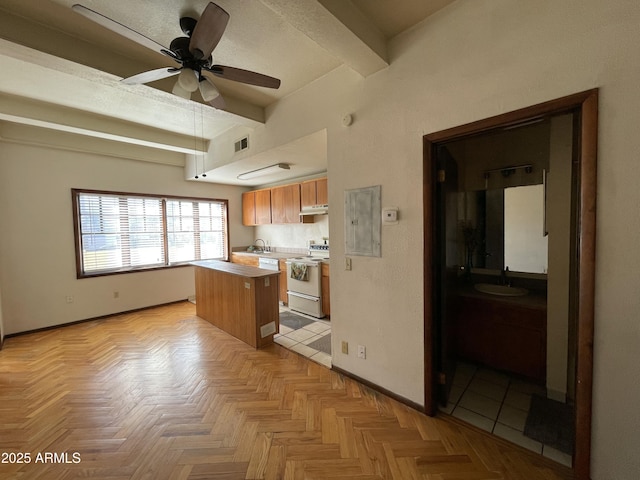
pixel 470 61
pixel 37 246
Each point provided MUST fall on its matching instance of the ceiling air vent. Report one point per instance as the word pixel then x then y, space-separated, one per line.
pixel 241 144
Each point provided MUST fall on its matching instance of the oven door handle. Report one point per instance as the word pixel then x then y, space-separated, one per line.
pixel 303 295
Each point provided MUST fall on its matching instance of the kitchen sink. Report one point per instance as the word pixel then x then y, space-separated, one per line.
pixel 500 290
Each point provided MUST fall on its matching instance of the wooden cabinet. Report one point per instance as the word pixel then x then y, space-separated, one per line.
pixel 256 207
pixel 314 192
pixel 503 335
pixel 249 208
pixel 240 300
pixel 285 204
pixel 281 205
pixel 326 297
pixel 250 260
pixel 263 207
pixel 284 298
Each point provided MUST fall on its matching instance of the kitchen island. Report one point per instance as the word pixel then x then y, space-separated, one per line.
pixel 239 299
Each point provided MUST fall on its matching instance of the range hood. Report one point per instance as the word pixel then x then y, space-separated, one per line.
pixel 314 210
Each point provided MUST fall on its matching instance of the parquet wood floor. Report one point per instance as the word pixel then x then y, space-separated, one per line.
pixel 162 394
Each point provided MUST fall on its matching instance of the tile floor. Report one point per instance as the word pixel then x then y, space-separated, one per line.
pixel 498 404
pixel 299 340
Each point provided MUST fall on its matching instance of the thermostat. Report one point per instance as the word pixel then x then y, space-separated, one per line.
pixel 390 216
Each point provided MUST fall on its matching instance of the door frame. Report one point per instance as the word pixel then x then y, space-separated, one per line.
pixel 585 104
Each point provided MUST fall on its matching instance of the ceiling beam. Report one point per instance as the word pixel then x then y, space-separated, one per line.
pixel 340 28
pixel 26 111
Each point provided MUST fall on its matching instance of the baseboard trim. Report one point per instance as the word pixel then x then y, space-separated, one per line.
pixel 379 389
pixel 101 317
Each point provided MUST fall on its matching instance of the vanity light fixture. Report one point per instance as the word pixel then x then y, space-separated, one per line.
pixel 506 172
pixel 259 172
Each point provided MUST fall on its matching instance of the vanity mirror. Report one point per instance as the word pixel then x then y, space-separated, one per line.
pixel 501 198
pixel 504 227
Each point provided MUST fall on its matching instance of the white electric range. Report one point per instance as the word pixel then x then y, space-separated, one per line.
pixel 304 286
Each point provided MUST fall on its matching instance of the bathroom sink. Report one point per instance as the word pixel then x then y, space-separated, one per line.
pixel 501 290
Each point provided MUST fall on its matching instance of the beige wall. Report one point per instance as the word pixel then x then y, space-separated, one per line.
pixel 471 61
pixel 37 249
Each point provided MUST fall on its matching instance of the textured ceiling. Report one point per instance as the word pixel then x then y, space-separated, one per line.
pixel 60 59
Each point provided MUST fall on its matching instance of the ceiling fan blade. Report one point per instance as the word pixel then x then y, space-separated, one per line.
pixel 244 76
pixel 117 27
pixel 151 76
pixel 208 31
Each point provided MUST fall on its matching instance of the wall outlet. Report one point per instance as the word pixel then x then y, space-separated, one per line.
pixel 347 263
pixel 345 347
pixel 69 298
pixel 116 294
pixel 362 351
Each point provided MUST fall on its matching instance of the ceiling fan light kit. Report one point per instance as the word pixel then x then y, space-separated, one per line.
pixel 188 79
pixel 192 52
pixel 181 92
pixel 271 169
pixel 208 90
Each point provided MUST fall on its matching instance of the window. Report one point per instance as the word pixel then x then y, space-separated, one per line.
pixel 122 232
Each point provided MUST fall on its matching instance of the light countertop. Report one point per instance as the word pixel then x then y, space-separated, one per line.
pixel 235 268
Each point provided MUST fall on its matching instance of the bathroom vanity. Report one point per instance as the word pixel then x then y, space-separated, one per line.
pixel 505 333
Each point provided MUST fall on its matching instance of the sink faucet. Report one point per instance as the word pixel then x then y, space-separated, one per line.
pixel 260 240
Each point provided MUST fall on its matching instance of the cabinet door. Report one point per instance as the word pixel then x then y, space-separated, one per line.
pixel 292 203
pixel 285 204
pixel 283 282
pixel 277 205
pixel 314 192
pixel 322 193
pixel 326 297
pixel 308 193
pixel 249 208
pixel 263 207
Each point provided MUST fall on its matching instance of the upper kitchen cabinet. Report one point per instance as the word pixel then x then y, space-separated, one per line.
pixel 285 204
pixel 256 207
pixel 314 192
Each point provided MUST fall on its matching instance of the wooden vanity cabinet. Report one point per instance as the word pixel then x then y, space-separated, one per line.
pixel 503 335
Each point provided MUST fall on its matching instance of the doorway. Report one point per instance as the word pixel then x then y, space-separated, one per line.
pixel 440 266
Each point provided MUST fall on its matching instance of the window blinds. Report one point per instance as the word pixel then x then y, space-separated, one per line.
pixel 124 232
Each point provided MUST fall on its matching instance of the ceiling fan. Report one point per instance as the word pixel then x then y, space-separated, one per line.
pixel 192 53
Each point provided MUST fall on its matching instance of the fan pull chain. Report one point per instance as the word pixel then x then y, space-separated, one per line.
pixel 204 158
pixel 195 139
